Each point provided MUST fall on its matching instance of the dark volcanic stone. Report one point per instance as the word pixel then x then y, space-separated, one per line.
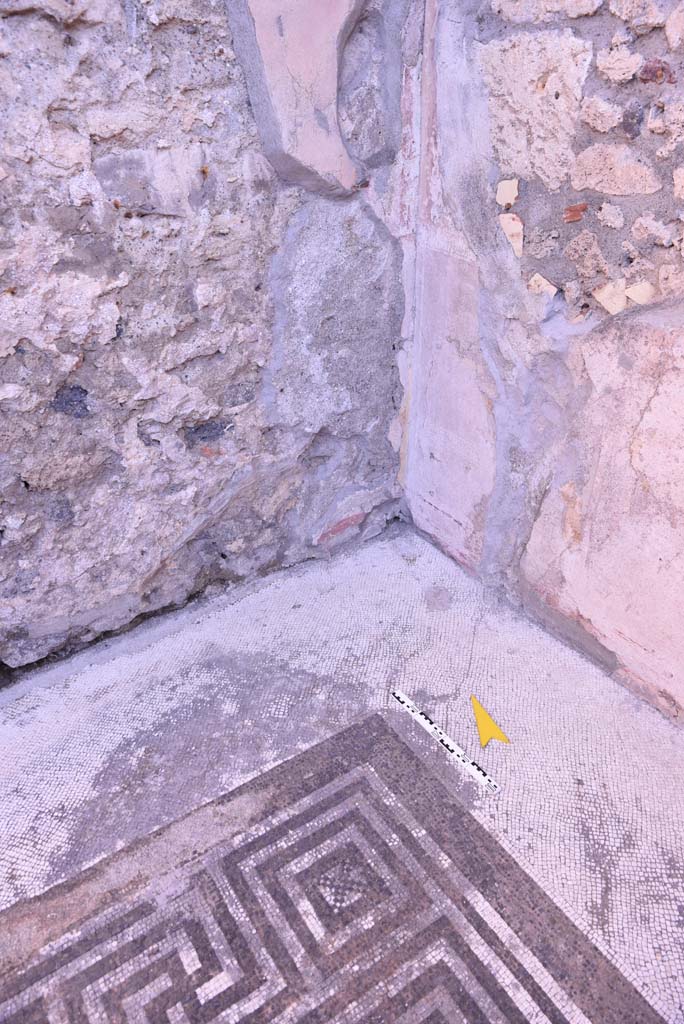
pixel 71 399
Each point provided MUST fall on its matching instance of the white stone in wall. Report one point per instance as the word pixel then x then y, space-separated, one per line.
pixel 507 192
pixel 641 15
pixel 512 227
pixel 641 292
pixel 539 285
pixel 618 63
pixel 647 227
pixel 535 86
pixel 600 114
pixel 614 169
pixel 678 178
pixel 611 216
pixel 543 10
pixel 612 296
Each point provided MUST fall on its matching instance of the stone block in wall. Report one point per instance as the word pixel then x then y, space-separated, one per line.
pixel 534 81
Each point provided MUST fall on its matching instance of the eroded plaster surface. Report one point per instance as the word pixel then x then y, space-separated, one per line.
pixel 606 548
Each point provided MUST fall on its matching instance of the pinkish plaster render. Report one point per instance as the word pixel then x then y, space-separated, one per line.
pixel 545 426
pixel 608 546
pixel 292 50
pixel 452 450
pixel 451 458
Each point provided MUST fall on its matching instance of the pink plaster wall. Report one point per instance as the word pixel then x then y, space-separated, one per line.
pixel 607 548
pixel 291 51
pixel 451 461
pixel 545 429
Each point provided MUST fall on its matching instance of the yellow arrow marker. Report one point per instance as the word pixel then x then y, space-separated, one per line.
pixel 486 726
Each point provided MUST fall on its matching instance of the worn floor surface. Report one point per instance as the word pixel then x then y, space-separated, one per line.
pixel 99 751
pixel 356 888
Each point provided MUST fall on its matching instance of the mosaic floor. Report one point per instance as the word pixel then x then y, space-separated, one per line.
pixel 357 889
pixel 146 730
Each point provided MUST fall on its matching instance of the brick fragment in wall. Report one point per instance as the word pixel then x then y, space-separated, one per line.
pixel 574 213
pixel 658 71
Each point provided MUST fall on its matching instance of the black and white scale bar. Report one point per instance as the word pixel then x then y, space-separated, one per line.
pixel 453 749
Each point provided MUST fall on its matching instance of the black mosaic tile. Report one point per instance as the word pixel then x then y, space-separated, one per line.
pixel 365 893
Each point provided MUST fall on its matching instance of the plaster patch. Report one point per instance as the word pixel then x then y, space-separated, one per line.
pixel 290 53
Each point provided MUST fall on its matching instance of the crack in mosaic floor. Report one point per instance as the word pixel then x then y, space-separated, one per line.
pixel 357 890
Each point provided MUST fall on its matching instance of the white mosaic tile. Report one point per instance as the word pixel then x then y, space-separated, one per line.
pixel 105 747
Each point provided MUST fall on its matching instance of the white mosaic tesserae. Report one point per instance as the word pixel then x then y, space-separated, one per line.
pixel 590 803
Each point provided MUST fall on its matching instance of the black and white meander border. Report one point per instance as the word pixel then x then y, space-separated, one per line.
pixel 453 750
